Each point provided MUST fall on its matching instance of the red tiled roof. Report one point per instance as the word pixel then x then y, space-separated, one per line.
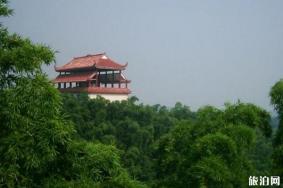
pixel 96 90
pixel 77 77
pixel 100 61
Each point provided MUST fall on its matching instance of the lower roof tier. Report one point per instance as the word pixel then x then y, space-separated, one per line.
pixel 96 90
pixel 86 76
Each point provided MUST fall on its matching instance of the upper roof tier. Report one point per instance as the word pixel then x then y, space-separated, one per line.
pixel 98 61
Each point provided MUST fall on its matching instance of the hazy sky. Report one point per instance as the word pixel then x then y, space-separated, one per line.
pixel 196 52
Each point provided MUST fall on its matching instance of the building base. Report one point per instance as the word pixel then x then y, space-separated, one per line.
pixel 110 97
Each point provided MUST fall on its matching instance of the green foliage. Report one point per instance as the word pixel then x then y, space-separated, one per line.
pixel 261 155
pixel 278 160
pixel 176 147
pixel 97 161
pixel 182 112
pixel 19 58
pixel 194 163
pixel 249 114
pixel 213 150
pixel 33 131
pixel 132 128
pixel 276 95
pixel 211 172
pixel 4 10
pixel 92 165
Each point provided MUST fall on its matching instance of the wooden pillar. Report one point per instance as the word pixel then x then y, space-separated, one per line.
pixel 98 79
pixel 120 76
pixel 126 83
pixel 64 85
pixel 112 83
pixel 105 84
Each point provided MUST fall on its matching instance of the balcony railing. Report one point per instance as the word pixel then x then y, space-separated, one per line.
pixel 95 90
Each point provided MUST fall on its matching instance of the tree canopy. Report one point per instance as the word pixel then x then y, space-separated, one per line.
pixel 276 95
pixel 175 147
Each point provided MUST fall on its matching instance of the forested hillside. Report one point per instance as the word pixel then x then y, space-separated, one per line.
pixel 52 140
pixel 175 147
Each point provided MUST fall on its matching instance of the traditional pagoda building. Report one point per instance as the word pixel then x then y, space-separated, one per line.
pixel 95 75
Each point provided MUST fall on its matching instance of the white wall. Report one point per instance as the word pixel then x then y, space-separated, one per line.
pixel 111 97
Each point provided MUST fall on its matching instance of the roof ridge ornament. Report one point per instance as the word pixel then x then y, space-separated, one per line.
pixel 126 64
pixel 90 55
pixel 104 57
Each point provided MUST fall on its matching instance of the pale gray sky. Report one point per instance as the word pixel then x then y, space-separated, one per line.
pixel 196 52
